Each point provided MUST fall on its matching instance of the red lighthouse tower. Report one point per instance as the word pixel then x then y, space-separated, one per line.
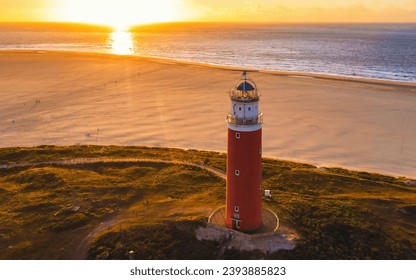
pixel 243 204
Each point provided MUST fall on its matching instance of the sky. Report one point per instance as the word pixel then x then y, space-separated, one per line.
pixel 128 12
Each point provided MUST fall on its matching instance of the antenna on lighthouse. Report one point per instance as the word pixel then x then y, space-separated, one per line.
pixel 245 78
pixel 245 75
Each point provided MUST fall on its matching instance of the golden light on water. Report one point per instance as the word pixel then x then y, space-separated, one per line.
pixel 121 42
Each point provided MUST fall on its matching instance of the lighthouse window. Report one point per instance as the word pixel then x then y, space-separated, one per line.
pixel 237 135
pixel 237 172
pixel 236 209
pixel 249 108
pixel 239 108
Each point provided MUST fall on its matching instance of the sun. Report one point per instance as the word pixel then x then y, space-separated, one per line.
pixel 120 14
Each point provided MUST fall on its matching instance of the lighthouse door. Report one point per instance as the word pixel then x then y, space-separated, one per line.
pixel 236 224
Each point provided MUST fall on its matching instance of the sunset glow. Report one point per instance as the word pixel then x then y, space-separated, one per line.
pixel 119 14
pixel 123 13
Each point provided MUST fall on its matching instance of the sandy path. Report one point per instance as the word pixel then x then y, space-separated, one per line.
pixel 64 99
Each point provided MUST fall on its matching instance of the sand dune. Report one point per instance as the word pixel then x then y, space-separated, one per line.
pixel 67 98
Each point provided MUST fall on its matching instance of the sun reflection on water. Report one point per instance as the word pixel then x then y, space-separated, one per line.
pixel 121 42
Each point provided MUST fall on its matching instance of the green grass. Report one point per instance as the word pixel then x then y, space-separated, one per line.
pixel 47 209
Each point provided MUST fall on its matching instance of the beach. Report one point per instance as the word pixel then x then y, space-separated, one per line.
pixel 64 98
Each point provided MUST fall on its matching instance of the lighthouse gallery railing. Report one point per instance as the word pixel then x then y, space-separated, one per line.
pixel 245 121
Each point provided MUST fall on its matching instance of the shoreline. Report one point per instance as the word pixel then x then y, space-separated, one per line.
pixel 68 98
pixel 324 76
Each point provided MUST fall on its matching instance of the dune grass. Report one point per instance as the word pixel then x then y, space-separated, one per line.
pixel 48 209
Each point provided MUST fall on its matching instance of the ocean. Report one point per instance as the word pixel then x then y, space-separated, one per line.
pixel 379 51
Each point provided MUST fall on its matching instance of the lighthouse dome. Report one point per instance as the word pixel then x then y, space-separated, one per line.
pixel 245 91
pixel 245 86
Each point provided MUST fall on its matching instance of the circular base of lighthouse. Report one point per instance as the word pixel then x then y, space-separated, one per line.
pixel 270 221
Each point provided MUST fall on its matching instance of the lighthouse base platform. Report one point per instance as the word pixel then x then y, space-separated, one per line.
pixel 269 238
pixel 270 221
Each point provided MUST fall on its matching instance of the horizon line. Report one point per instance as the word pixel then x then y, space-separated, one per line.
pixel 211 22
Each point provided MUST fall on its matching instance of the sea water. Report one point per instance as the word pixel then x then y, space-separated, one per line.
pixel 380 51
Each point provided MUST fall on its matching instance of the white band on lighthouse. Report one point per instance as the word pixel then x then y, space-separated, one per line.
pixel 244 128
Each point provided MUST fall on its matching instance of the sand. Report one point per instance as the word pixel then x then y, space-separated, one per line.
pixel 61 98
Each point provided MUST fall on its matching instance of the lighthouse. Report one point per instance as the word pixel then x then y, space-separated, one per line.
pixel 244 192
